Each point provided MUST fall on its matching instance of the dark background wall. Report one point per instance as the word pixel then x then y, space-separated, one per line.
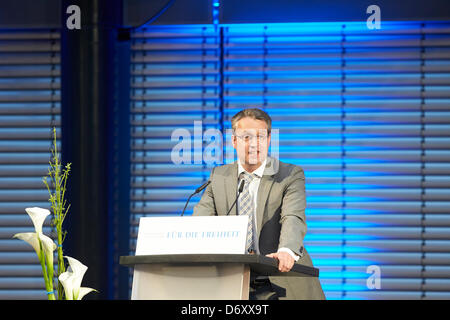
pixel 46 13
pixel 253 11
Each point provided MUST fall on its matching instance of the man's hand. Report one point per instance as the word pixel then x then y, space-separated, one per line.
pixel 285 260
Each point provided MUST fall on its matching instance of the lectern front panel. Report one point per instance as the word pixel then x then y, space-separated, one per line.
pixel 227 281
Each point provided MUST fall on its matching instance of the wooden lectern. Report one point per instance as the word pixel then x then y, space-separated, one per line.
pixel 202 276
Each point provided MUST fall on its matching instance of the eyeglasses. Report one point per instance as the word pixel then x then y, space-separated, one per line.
pixel 250 137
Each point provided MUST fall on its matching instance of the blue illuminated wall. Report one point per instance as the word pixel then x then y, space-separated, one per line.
pixel 366 113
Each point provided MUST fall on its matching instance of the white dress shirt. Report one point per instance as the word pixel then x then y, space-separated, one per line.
pixel 253 190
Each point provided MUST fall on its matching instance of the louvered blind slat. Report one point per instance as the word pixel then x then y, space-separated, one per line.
pixel 29 109
pixel 366 113
pixel 174 82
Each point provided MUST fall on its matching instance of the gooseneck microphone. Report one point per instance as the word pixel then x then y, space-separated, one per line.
pixel 241 187
pixel 199 189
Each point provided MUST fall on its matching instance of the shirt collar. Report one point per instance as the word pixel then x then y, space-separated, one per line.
pixel 259 172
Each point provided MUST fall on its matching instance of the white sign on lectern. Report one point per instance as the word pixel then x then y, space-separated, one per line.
pixel 192 235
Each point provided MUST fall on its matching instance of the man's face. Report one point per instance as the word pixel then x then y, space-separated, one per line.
pixel 251 141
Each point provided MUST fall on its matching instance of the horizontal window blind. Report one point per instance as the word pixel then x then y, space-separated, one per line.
pixel 29 109
pixel 175 90
pixel 366 113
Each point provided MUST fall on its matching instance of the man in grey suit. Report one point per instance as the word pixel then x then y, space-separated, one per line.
pixel 274 199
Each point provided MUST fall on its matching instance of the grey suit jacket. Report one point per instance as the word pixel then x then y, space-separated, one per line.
pixel 280 217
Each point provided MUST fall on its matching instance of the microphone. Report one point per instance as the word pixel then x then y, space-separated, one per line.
pixel 199 189
pixel 241 187
pixel 203 186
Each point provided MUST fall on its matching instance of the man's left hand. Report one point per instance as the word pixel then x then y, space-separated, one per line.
pixel 285 260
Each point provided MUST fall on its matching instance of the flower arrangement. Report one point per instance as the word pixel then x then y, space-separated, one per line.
pixel 68 282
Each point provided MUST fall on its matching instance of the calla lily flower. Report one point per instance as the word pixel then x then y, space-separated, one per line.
pixel 49 246
pixel 31 238
pixel 66 279
pixel 44 247
pixel 71 280
pixel 38 216
pixel 84 291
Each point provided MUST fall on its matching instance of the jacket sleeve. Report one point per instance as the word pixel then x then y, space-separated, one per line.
pixel 206 206
pixel 292 216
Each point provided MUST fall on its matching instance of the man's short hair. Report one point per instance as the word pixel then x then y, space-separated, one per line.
pixel 253 113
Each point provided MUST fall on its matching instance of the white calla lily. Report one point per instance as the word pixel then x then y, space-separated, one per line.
pixel 71 280
pixel 44 247
pixel 78 270
pixel 49 246
pixel 84 291
pixel 38 216
pixel 31 238
pixel 66 280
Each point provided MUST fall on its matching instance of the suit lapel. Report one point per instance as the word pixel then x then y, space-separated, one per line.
pixel 263 192
pixel 264 189
pixel 230 188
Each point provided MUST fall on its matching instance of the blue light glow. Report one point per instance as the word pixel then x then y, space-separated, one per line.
pixel 339 262
pixel 340 224
pixel 338 249
pixel 342 275
pixel 335 237
pixel 354 125
pixel 344 287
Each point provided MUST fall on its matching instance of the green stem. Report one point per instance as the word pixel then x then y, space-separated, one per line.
pixel 58 178
pixel 61 267
pixel 48 282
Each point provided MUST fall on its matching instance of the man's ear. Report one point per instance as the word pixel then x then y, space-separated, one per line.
pixel 268 139
pixel 234 141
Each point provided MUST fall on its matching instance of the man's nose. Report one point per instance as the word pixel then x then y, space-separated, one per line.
pixel 253 142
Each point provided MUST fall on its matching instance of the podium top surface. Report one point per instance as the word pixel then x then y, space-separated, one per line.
pixel 259 264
